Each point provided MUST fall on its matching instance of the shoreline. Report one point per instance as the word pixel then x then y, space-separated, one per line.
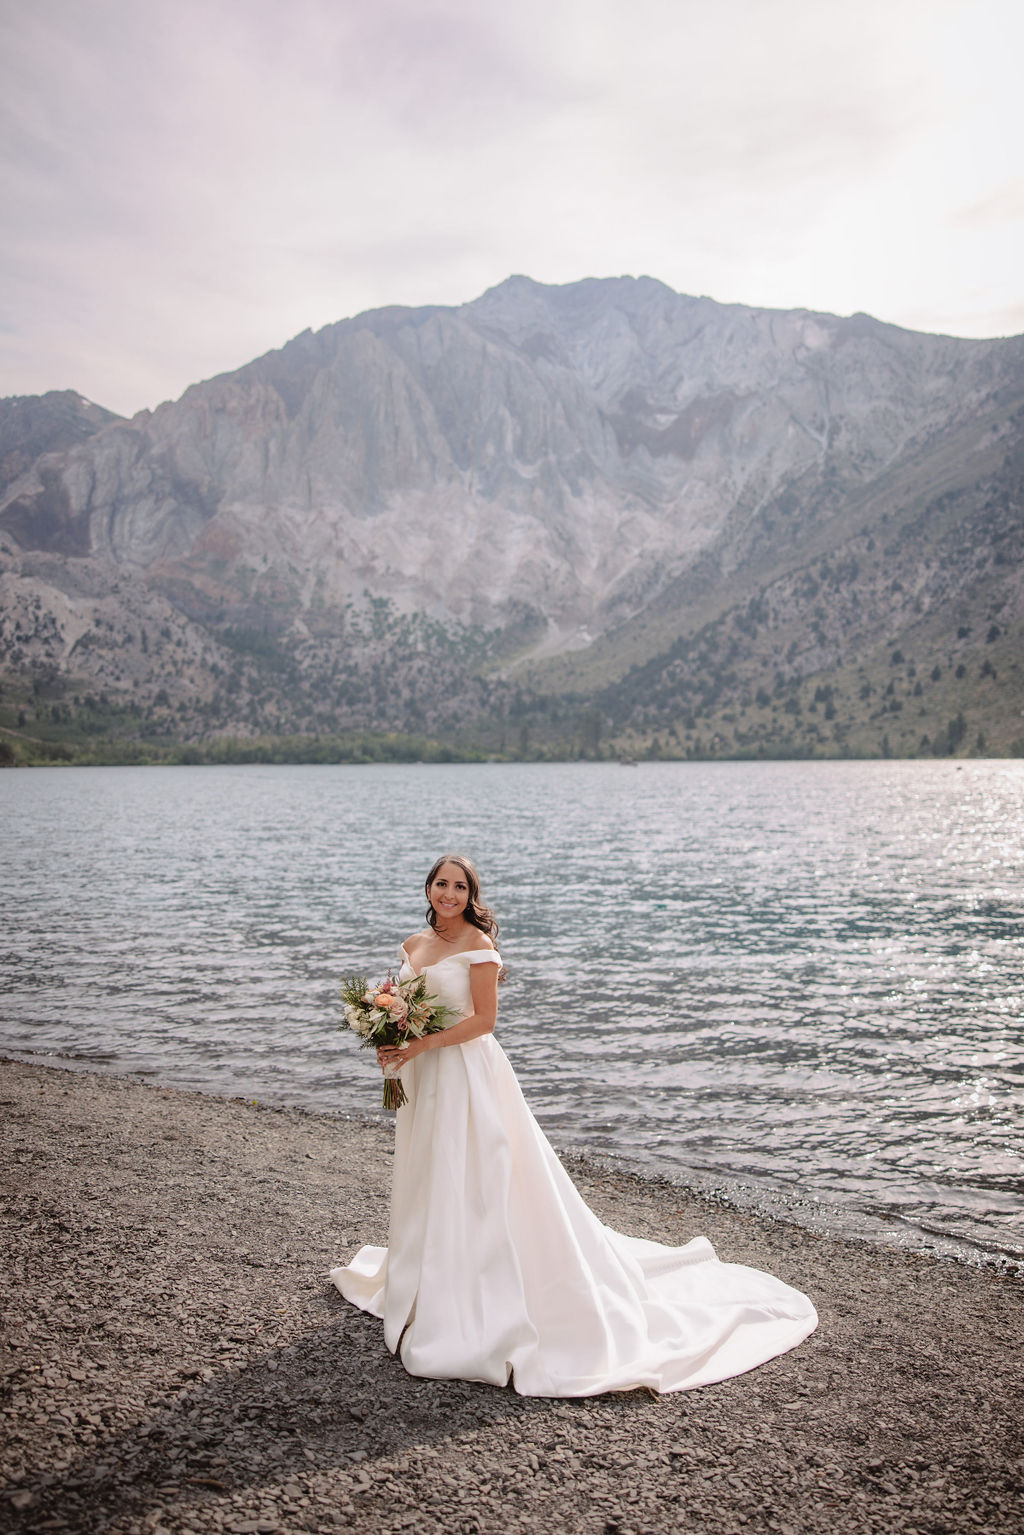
pixel 61 750
pixel 176 1360
pixel 758 1198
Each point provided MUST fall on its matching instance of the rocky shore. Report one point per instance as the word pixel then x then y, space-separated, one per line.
pixel 175 1360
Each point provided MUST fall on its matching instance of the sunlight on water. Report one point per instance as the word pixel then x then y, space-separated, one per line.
pixel 799 978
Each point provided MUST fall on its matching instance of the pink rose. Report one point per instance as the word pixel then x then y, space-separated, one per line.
pixel 396 1006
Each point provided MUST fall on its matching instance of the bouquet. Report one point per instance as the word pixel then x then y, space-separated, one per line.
pixel 391 1013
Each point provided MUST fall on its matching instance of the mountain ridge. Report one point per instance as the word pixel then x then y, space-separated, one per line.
pixel 546 487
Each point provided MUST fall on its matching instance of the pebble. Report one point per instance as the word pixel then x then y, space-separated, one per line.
pixel 240 1395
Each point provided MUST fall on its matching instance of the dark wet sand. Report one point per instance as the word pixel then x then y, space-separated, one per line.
pixel 174 1358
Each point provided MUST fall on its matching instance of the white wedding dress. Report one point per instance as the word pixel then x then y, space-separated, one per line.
pixel 498 1271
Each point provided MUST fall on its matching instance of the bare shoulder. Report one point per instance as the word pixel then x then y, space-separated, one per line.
pixel 414 942
pixel 479 941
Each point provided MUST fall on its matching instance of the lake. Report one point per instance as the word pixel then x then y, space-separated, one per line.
pixel 798 985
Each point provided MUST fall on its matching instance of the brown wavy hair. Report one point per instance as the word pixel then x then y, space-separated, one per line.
pixel 476 912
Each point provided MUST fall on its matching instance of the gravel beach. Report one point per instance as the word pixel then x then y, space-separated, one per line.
pixel 175 1359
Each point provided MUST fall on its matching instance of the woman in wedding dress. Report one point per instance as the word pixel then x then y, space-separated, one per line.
pixel 496 1269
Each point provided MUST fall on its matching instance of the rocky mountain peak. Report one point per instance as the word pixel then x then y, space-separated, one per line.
pixel 31 425
pixel 586 471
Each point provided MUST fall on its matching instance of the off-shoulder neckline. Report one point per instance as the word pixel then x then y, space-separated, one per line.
pixel 447 958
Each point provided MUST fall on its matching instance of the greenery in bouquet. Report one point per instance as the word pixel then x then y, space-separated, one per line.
pixel 391 1012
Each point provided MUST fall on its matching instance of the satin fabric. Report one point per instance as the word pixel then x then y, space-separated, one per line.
pixel 497 1270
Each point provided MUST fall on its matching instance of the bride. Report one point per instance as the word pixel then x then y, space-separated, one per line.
pixel 496 1269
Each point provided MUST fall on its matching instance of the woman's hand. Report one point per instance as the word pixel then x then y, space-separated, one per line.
pixel 399 1055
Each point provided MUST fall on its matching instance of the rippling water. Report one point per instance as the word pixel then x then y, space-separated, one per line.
pixel 794 980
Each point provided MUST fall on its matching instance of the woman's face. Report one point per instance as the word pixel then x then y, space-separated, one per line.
pixel 449 892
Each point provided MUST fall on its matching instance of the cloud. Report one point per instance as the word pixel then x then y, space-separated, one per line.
pixel 187 185
pixel 1003 205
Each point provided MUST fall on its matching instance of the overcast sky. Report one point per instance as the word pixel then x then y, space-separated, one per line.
pixel 188 183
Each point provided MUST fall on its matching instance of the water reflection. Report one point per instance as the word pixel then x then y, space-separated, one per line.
pixel 808 977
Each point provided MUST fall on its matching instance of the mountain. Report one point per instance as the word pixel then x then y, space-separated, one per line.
pixel 34 424
pixel 551 518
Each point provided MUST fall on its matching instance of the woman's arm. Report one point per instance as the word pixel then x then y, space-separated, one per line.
pixel 483 984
